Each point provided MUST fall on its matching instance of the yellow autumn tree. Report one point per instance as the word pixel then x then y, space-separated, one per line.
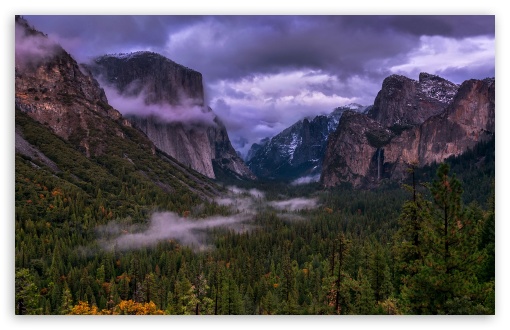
pixel 83 308
pixel 130 307
pixel 125 307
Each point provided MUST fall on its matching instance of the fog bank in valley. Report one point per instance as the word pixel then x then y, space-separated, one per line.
pixel 194 232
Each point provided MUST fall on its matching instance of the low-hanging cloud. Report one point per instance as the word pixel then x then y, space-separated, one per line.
pixel 188 111
pixel 32 49
pixel 294 204
pixel 250 192
pixel 245 204
pixel 170 226
pixel 306 180
pixel 247 201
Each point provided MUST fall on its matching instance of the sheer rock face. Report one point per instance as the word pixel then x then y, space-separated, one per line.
pixel 469 119
pixel 363 150
pixel 189 145
pixel 404 101
pixel 159 79
pixel 54 90
pixel 350 150
pixel 173 114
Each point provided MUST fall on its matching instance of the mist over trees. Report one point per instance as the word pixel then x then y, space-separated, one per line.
pixel 417 249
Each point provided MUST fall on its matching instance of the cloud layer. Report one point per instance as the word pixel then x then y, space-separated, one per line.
pixel 195 233
pixel 32 49
pixel 187 112
pixel 263 73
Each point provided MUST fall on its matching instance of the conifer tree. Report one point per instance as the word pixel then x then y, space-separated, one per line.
pixel 445 281
pixel 365 301
pixel 26 293
pixel 66 301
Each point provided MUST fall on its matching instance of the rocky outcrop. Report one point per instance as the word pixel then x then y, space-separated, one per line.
pixel 255 147
pixel 403 101
pixel 225 157
pixel 54 90
pixel 468 120
pixel 66 100
pixel 173 113
pixel 188 144
pixel 160 79
pixel 364 150
pixel 354 150
pixel 298 150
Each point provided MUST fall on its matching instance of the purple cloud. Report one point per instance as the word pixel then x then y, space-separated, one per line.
pixel 262 73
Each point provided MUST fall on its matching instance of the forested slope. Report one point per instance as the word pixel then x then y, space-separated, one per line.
pixel 350 255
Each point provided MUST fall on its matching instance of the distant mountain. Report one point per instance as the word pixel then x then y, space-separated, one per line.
pixel 168 105
pixel 412 122
pixel 297 151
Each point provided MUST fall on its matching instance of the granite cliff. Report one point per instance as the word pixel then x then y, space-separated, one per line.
pixel 54 90
pixel 168 106
pixel 411 122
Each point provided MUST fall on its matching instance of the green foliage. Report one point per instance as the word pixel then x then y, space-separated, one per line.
pixel 378 138
pixel 26 294
pixel 441 271
pixel 475 169
pixel 397 129
pixel 360 252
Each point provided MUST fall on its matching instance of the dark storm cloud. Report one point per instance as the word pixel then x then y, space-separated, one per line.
pixel 251 45
pixel 235 46
pixel 263 73
pixel 456 26
pixel 92 35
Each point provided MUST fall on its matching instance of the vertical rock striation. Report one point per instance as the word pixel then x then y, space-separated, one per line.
pixel 419 122
pixel 168 106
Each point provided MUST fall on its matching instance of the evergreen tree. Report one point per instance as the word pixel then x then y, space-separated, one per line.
pixel 26 293
pixel 365 301
pixel 445 282
pixel 67 301
pixel 341 296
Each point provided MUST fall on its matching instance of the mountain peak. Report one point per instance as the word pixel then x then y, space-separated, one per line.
pixel 424 76
pixel 142 55
pixel 159 79
pixel 423 121
pixel 404 101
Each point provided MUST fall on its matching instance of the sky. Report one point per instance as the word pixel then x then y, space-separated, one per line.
pixel 262 73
